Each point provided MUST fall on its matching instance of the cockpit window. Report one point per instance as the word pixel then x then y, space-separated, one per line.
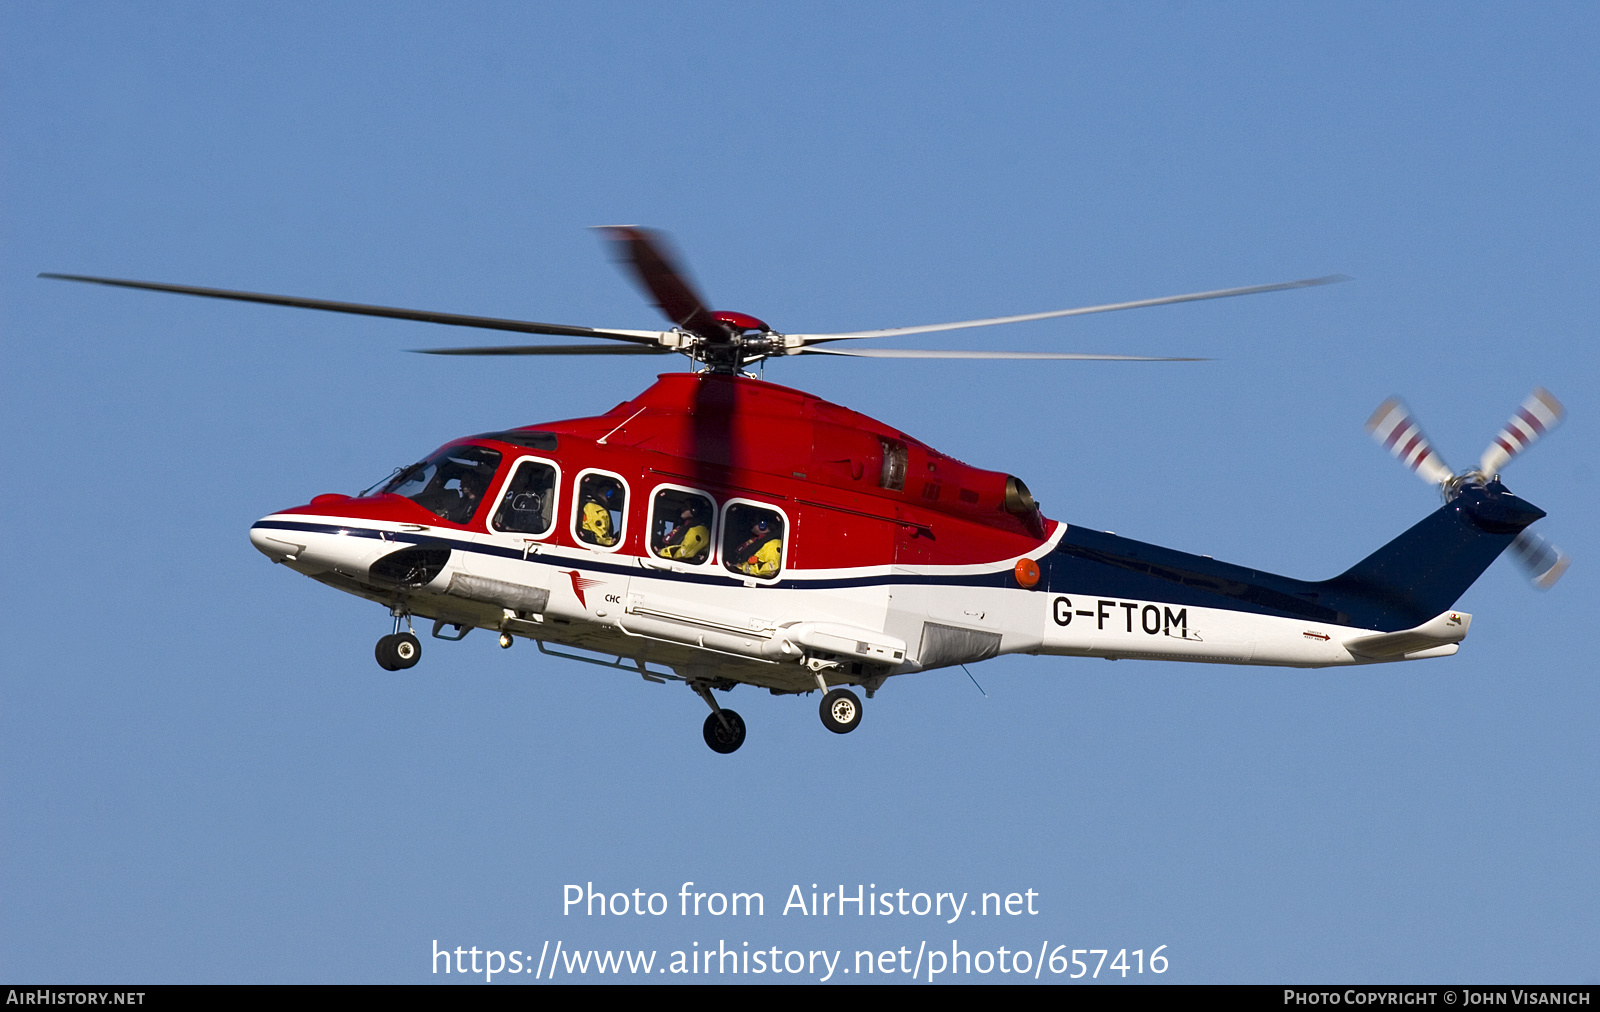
pixel 450 484
pixel 376 486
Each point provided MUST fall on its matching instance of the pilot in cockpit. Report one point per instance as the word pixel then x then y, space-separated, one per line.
pixel 454 492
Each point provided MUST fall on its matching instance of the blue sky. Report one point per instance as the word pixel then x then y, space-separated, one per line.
pixel 204 776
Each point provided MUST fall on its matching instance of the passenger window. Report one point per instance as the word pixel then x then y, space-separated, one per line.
pixel 752 540
pixel 528 505
pixel 680 526
pixel 602 500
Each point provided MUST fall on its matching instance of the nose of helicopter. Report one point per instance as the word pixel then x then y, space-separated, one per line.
pixel 328 534
pixel 275 543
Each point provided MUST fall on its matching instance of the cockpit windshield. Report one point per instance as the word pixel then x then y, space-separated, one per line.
pixel 451 483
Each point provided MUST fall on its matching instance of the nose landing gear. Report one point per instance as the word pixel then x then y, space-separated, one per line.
pixel 399 650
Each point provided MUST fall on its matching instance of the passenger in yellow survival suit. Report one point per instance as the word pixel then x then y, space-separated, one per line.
pixel 690 537
pixel 759 556
pixel 597 518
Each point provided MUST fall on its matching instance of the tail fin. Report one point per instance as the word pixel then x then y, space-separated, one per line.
pixel 1426 570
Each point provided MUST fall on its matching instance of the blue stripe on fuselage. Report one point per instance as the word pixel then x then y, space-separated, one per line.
pixel 1447 548
pixel 1001 578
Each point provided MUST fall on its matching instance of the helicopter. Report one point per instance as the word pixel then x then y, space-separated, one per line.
pixel 720 530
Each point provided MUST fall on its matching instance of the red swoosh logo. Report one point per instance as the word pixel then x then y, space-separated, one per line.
pixel 581 584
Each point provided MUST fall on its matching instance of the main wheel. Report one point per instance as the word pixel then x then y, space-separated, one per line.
pixel 407 650
pixel 386 654
pixel 841 711
pixel 724 739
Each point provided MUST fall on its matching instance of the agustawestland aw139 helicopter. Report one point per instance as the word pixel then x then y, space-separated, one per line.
pixel 719 530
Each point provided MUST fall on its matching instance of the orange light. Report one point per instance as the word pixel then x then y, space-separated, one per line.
pixel 1027 573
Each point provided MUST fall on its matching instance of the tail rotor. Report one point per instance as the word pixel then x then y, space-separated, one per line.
pixel 1396 430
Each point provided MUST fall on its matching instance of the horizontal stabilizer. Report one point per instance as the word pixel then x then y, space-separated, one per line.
pixel 1443 630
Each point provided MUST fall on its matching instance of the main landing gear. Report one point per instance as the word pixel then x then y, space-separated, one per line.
pixel 724 729
pixel 399 650
pixel 840 709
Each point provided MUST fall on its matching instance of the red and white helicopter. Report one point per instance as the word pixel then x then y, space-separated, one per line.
pixel 719 530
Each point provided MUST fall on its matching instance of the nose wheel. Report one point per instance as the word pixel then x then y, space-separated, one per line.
pixel 841 711
pixel 398 651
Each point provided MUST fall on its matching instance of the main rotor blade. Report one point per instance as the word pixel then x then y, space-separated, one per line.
pixel 1035 355
pixel 648 254
pixel 549 349
pixel 1539 413
pixel 425 316
pixel 1396 431
pixel 1223 293
pixel 1542 561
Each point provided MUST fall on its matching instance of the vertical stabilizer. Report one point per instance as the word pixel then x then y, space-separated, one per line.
pixel 1426 570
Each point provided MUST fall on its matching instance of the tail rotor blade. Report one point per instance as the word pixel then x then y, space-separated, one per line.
pixel 1542 561
pixel 1396 431
pixel 1540 413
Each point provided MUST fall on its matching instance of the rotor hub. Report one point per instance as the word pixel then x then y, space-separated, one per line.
pixel 740 322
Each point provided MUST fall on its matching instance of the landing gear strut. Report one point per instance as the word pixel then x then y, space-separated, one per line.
pixel 724 729
pixel 399 650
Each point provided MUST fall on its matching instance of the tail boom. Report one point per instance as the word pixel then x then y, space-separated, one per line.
pixel 1114 597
